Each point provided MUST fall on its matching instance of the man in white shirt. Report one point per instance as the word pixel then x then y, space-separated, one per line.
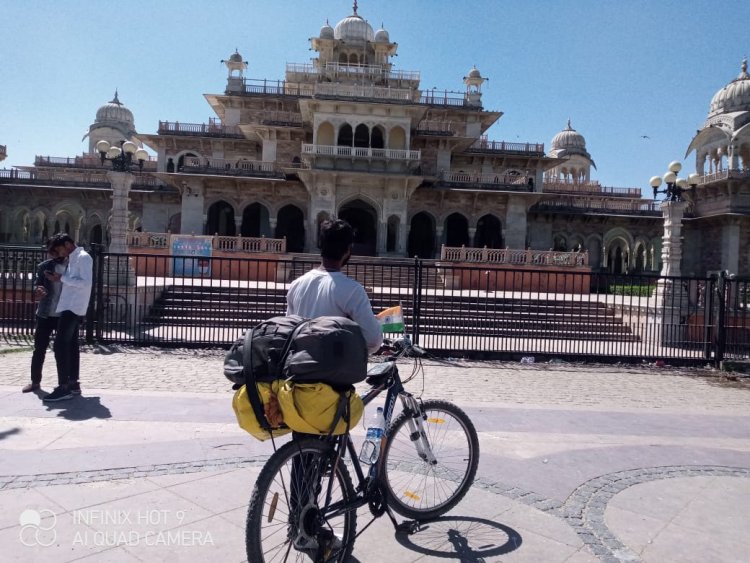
pixel 73 303
pixel 326 291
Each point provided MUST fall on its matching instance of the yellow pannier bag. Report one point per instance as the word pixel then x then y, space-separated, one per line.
pixel 246 416
pixel 311 407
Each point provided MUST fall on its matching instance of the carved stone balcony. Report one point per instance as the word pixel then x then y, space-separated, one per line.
pixel 479 181
pixel 560 186
pixel 211 129
pixel 230 167
pixel 599 205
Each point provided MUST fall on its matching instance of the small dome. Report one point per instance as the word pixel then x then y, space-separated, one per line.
pixel 353 28
pixel 326 32
pixel 381 35
pixel 568 138
pixel 735 96
pixel 474 73
pixel 235 57
pixel 114 111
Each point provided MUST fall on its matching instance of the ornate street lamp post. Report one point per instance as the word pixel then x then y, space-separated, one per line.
pixel 123 158
pixel 671 297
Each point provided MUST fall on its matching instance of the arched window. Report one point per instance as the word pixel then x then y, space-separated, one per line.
pixel 489 232
pixel 378 138
pixel 291 224
pixel 346 136
pixel 456 230
pixel 397 138
pixel 221 220
pixel 422 236
pixel 255 221
pixel 361 136
pixel 326 134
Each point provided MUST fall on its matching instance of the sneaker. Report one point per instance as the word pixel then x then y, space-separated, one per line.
pixel 59 394
pixel 75 388
pixel 31 387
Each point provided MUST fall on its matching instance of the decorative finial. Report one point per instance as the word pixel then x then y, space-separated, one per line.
pixel 744 64
pixel 116 100
pixel 570 127
pixel 355 7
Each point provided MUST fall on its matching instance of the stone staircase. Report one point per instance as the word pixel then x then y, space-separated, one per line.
pixel 449 314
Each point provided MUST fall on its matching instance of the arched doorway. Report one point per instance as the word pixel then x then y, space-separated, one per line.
pixel 291 224
pixel 422 236
pixel 220 220
pixel 363 218
pixel 181 160
pixel 489 232
pixel 456 230
pixel 346 136
pixel 255 221
pixel 97 235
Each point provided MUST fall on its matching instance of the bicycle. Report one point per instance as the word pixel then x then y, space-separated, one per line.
pixel 304 503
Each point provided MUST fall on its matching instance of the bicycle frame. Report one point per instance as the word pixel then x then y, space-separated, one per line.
pixel 395 389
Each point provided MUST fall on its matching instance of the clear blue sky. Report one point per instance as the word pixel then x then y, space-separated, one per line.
pixel 617 69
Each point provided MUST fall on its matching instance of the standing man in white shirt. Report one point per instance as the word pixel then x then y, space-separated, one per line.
pixel 73 303
pixel 327 291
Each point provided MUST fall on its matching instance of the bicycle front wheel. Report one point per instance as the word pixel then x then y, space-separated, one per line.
pixel 289 518
pixel 418 487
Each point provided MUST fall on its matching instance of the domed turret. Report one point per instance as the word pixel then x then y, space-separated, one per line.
pixel 735 96
pixel 575 161
pixel 381 35
pixel 354 28
pixel 568 138
pixel 235 65
pixel 326 32
pixel 114 123
pixel 115 112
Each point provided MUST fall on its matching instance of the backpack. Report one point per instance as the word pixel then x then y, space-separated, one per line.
pixel 325 349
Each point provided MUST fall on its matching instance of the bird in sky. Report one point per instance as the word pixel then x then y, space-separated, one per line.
pixel 645 137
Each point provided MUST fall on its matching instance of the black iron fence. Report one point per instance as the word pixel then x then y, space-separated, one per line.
pixel 453 310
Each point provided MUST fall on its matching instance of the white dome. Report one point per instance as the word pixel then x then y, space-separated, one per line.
pixel 326 32
pixel 235 57
pixel 568 138
pixel 735 96
pixel 381 36
pixel 114 111
pixel 353 28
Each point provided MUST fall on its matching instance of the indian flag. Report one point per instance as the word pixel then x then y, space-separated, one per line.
pixel 391 319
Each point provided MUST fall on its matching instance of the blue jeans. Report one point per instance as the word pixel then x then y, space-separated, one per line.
pixel 67 352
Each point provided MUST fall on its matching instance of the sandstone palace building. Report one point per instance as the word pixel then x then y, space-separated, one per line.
pixel 411 168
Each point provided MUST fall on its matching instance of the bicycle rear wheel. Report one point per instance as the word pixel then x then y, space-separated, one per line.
pixel 287 519
pixel 422 490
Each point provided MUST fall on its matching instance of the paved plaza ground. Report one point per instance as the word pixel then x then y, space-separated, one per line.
pixel 578 463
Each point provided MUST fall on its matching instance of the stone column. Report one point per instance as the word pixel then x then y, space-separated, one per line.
pixel 117 269
pixel 191 209
pixel 671 299
pixel 515 223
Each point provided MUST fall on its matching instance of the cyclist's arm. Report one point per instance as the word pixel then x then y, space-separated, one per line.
pixel 360 311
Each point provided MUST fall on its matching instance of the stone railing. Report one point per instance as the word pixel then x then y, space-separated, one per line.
pixel 360 152
pixel 367 92
pixel 87 160
pixel 241 167
pixel 136 239
pixel 372 72
pixel 211 129
pixel 513 257
pixel 597 204
pixel 723 175
pixel 436 128
pixel 562 186
pixel 504 146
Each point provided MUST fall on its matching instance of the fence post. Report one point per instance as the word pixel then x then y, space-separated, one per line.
pixel 93 315
pixel 416 299
pixel 721 329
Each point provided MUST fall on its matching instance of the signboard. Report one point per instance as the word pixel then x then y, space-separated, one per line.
pixel 191 256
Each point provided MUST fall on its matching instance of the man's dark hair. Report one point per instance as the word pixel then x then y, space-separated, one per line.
pixel 59 239
pixel 336 237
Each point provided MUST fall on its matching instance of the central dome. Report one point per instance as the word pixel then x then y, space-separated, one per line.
pixel 568 138
pixel 735 96
pixel 353 28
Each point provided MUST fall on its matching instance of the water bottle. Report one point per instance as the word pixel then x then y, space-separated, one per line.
pixel 375 429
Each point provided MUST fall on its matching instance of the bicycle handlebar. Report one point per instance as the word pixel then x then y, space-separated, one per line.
pixel 403 346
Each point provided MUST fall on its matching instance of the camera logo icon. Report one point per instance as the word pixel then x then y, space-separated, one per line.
pixel 37 527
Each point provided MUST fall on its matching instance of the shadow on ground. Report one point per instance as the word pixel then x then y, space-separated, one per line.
pixel 80 408
pixel 468 539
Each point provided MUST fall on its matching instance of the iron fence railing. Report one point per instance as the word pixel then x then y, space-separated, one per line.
pixel 451 308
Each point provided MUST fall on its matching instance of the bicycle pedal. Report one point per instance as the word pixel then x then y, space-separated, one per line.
pixel 408 527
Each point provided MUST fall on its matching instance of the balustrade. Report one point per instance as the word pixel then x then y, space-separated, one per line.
pixel 212 129
pixel 360 152
pixel 564 186
pixel 222 243
pixel 503 146
pixel 513 256
pixel 196 164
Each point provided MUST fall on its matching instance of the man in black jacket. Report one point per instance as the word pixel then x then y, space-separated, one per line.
pixel 47 292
